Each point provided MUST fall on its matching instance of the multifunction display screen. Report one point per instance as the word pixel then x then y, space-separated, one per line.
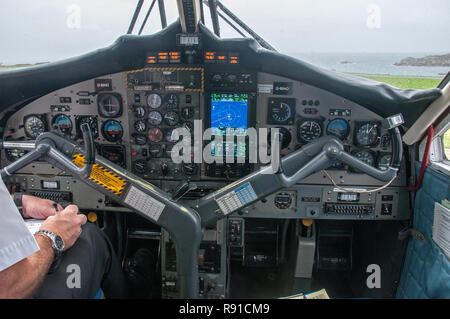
pixel 229 117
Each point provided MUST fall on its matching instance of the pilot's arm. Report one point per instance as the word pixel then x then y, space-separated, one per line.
pixel 25 259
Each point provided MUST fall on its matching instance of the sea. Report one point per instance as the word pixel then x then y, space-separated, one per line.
pixel 372 63
pixel 368 63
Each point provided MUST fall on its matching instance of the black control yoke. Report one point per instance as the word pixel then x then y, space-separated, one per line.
pixel 311 158
pixel 45 147
pixel 182 223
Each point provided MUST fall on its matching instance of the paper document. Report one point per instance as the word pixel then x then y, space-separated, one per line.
pixel 321 294
pixel 33 225
pixel 441 228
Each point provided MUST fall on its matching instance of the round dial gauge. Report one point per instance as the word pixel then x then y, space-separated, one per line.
pixel 155 134
pixel 386 141
pixel 140 166
pixel 155 150
pixel 63 122
pixel 366 157
pixel 139 111
pixel 281 113
pixel 34 126
pixel 367 134
pixel 286 139
pixel 189 126
pixel 112 130
pixel 140 126
pixel 140 139
pixel 154 118
pixel 187 112
pixel 339 128
pixel 171 100
pixel 171 118
pixel 154 100
pixel 384 162
pixel 309 130
pixel 91 121
pixel 109 105
pixel 283 200
pixel 168 136
pixel 14 154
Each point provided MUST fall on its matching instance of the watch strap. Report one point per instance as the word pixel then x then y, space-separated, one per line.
pixel 58 253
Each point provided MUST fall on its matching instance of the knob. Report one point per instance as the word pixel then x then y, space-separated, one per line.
pixel 164 169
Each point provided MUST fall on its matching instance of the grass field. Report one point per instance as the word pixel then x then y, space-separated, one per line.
pixel 403 82
pixel 412 83
pixel 447 143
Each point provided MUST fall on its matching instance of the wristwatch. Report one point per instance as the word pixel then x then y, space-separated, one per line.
pixel 57 245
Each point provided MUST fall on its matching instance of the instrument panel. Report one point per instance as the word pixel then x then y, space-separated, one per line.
pixel 304 113
pixel 133 116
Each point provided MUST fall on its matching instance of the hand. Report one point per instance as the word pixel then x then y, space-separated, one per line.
pixel 66 224
pixel 38 208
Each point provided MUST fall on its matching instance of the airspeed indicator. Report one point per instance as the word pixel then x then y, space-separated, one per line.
pixel 309 130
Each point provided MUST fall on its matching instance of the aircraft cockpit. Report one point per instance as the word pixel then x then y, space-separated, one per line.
pixel 220 168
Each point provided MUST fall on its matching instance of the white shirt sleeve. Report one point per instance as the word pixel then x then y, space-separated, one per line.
pixel 16 241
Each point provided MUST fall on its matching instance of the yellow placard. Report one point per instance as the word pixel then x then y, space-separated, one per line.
pixel 102 176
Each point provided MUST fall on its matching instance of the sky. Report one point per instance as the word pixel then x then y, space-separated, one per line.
pixel 50 30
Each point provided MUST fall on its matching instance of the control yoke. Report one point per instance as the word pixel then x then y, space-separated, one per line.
pixel 311 158
pixel 45 147
pixel 331 149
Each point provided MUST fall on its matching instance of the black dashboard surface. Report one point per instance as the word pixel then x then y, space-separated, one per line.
pixel 20 87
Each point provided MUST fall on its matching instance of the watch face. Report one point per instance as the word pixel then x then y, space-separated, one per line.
pixel 59 243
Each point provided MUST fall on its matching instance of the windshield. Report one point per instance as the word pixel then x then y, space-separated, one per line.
pixel 373 38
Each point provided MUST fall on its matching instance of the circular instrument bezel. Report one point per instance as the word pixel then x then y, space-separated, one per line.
pixel 287 137
pixel 281 112
pixel 91 121
pixel 138 113
pixel 140 126
pixel 29 132
pixel 171 100
pixel 381 157
pixel 67 117
pixel 154 101
pixel 372 154
pixel 155 130
pixel 144 165
pixel 374 134
pixel 101 106
pixel 172 122
pixel 303 122
pixel 140 139
pixel 109 137
pixel 153 121
pixel 341 136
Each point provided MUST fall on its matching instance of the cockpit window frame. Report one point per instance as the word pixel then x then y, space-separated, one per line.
pixel 438 159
